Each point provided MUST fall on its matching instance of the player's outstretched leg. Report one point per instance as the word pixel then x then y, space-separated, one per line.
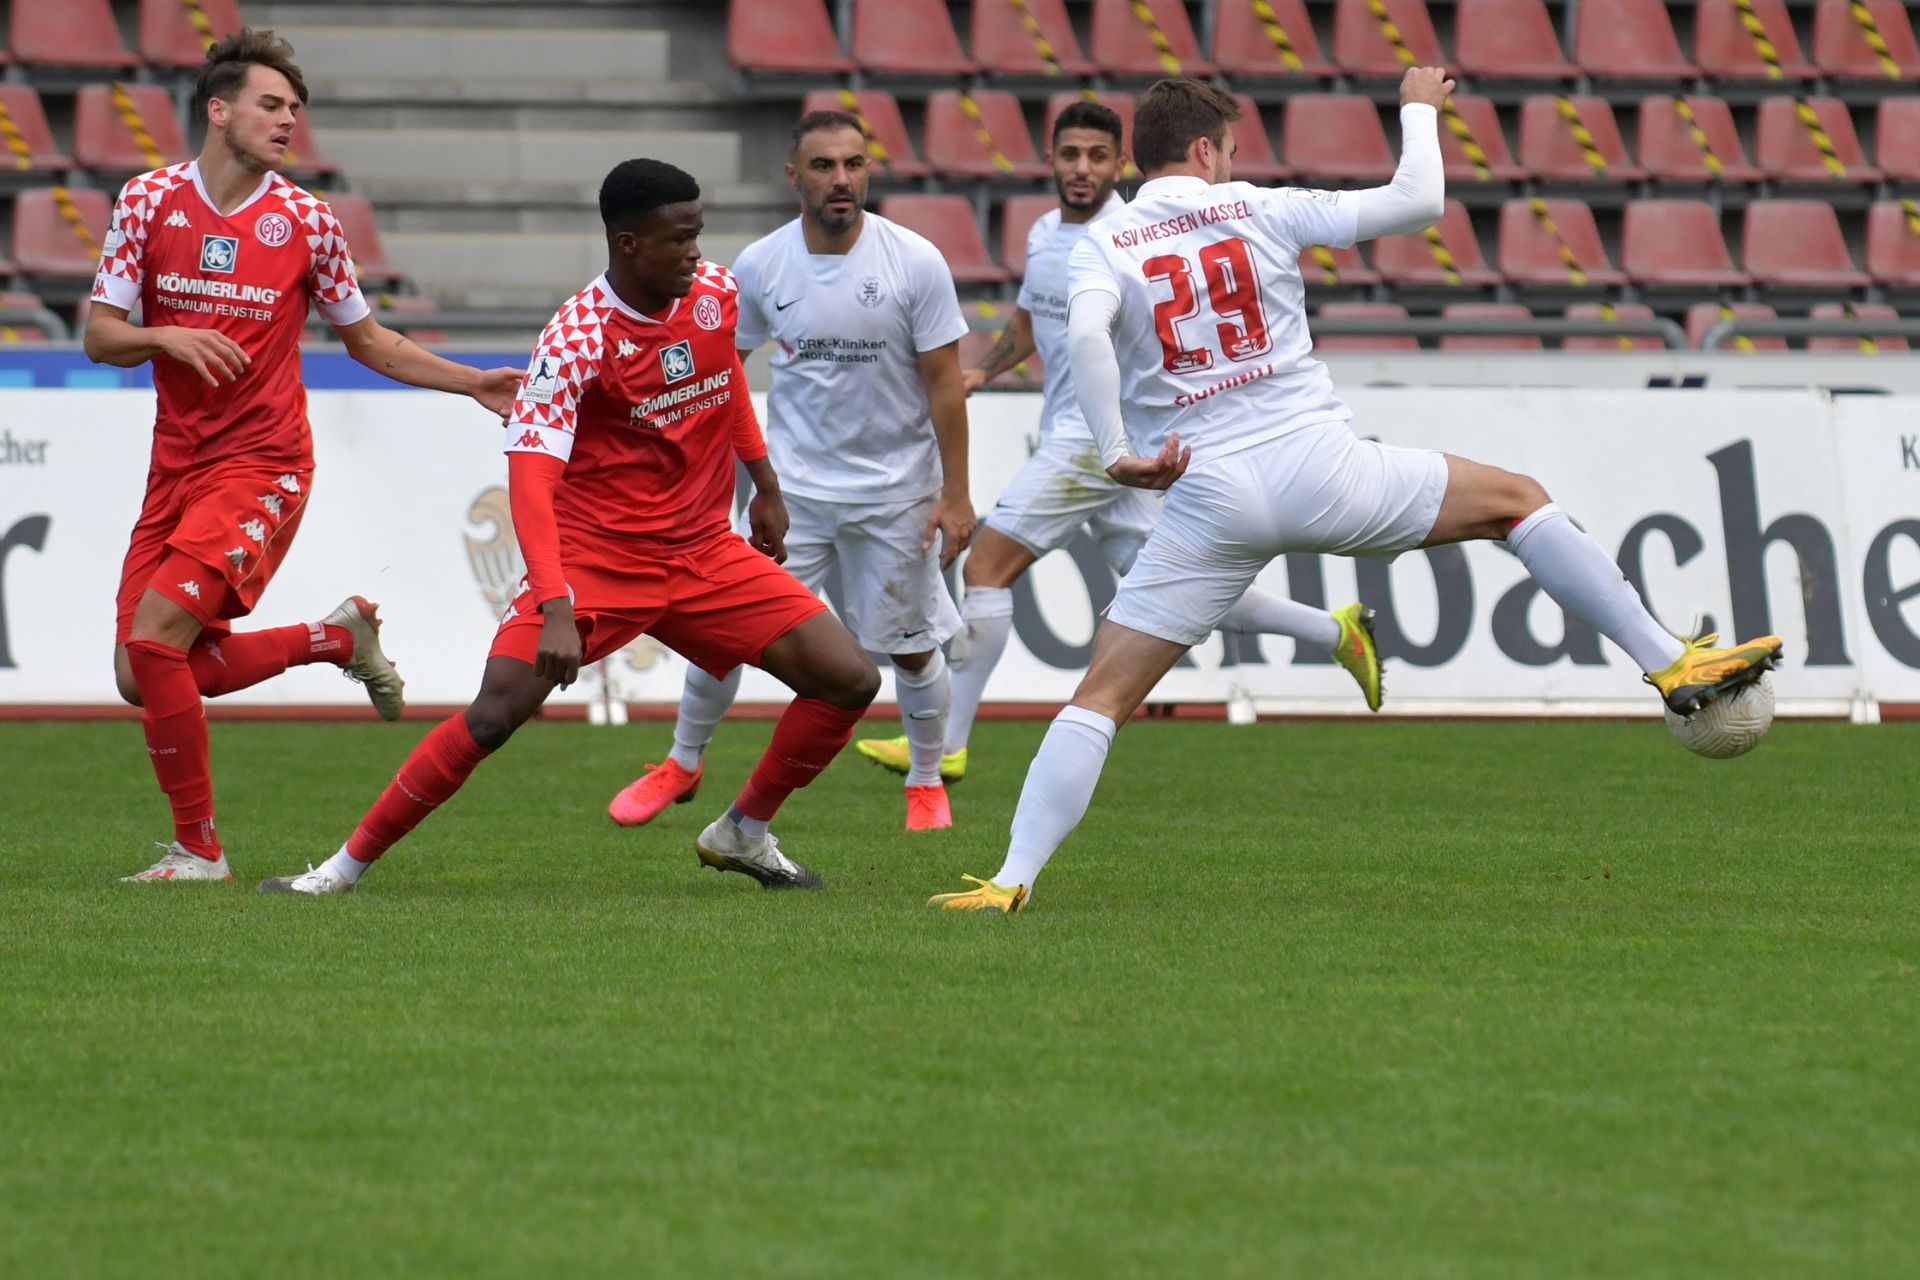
pixel 510 692
pixel 1485 502
pixel 835 682
pixel 676 780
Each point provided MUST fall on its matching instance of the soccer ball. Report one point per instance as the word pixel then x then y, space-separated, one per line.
pixel 1730 725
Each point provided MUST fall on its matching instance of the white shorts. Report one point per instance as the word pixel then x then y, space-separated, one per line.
pixel 892 596
pixel 1320 488
pixel 1062 487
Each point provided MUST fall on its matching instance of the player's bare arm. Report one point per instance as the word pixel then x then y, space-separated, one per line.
pixel 953 515
pixel 404 360
pixel 113 339
pixel 767 510
pixel 1014 345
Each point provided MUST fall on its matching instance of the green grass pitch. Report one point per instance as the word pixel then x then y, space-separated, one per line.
pixel 1394 1000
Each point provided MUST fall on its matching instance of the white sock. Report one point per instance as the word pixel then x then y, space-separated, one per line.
pixel 703 703
pixel 1261 612
pixel 748 826
pixel 923 697
pixel 1059 786
pixel 988 615
pixel 1572 569
pixel 345 866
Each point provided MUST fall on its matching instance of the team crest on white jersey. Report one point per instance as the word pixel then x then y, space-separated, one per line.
pixel 870 294
pixel 676 361
pixel 273 229
pixel 174 219
pixel 218 254
pixel 706 313
pixel 626 348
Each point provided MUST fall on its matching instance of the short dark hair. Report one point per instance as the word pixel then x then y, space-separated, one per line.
pixel 1089 115
pixel 1175 113
pixel 635 188
pixel 821 121
pixel 225 71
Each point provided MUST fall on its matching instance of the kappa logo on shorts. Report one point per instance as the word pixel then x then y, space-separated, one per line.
pixel 237 557
pixel 273 502
pixel 255 529
pixel 191 587
pixel 289 482
pixel 219 254
pixel 676 361
pixel 706 313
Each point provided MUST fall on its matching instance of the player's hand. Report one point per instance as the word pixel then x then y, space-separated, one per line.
pixel 973 379
pixel 497 389
pixel 952 521
pixel 209 353
pixel 767 524
pixel 1425 84
pixel 1157 472
pixel 558 656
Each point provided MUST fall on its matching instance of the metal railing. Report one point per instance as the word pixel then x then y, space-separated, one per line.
pixel 1671 335
pixel 1727 330
pixel 56 329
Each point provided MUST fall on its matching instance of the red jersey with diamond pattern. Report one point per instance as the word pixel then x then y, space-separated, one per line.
pixel 249 274
pixel 647 412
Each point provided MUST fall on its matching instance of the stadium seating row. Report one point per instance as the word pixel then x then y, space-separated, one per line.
pixel 1634 40
pixel 118 129
pixel 1699 318
pixel 1339 138
pixel 1544 244
pixel 82 33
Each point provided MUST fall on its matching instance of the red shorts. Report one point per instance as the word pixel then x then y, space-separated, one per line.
pixel 211 540
pixel 717 603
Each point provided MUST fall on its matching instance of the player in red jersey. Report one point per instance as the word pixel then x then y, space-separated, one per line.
pixel 223 256
pixel 621 451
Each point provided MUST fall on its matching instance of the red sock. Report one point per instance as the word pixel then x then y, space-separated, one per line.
pixel 430 776
pixel 810 734
pixel 224 664
pixel 176 727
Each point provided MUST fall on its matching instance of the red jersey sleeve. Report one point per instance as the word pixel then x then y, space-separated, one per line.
pixel 748 444
pixel 330 275
pixel 566 360
pixel 531 480
pixel 123 256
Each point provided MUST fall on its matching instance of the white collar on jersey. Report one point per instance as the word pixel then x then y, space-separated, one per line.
pixel 1174 184
pixel 619 305
pixel 200 185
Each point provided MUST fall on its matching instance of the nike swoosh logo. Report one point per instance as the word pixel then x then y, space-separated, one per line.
pixel 782 306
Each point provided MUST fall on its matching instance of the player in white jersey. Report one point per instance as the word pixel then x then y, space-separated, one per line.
pixel 1188 307
pixel 1064 487
pixel 867 429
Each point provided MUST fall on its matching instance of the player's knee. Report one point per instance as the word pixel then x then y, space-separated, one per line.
pixel 491 722
pixel 129 691
pixel 857 687
pixel 1529 495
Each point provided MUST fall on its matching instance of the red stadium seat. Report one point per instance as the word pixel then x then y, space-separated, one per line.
pixel 1411 261
pixel 1121 104
pixel 1341 269
pixel 1336 137
pixel 1245 49
pixel 886 131
pixel 1531 255
pixel 12 333
pixel 1676 244
pixel 1508 40
pixel 1670 153
pixel 357 223
pixel 1725 51
pixel 1483 122
pixel 303 152
pixel 1016 219
pixel 1628 40
pixel 1621 311
pixel 46 244
pixel 1122 44
pixel 1361 48
pixel 1842 51
pixel 954 144
pixel 907 38
pixel 1797 244
pixel 1855 311
pixel 1489 341
pixel 1364 342
pixel 1703 316
pixel 1898 129
pixel 1005 47
pixel 1253 158
pixel 68 33
pixel 1786 149
pixel 948 221
pixel 168 37
pixel 1893 245
pixel 792 36
pixel 20 103
pixel 1549 148
pixel 104 139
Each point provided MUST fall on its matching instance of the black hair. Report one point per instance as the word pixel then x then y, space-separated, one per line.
pixel 1089 115
pixel 636 188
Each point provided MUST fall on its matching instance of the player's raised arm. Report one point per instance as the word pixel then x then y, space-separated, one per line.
pixel 1417 196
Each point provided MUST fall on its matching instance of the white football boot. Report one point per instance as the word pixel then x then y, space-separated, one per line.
pixel 314 882
pixel 369 666
pixel 725 847
pixel 177 864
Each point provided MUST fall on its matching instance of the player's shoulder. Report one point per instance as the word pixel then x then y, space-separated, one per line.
pixel 289 196
pixel 578 320
pixel 1042 230
pixel 146 191
pixel 710 277
pixel 908 246
pixel 772 247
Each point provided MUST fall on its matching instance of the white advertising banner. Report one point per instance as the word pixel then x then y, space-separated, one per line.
pixel 1756 510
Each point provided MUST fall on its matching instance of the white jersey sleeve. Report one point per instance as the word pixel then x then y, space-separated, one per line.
pixel 752 330
pixel 936 316
pixel 1301 217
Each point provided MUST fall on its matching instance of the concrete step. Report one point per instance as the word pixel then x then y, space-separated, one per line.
pixel 500 14
pixel 457 97
pixel 416 206
pixel 511 159
pixel 476 269
pixel 571 117
pixel 425 53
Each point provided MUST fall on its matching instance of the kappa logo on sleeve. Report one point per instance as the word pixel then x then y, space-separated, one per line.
pixel 543 379
pixel 219 254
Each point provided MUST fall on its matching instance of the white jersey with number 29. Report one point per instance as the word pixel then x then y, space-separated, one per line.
pixel 1211 335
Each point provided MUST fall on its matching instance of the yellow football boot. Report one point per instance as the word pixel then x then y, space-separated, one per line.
pixel 1356 653
pixel 1703 673
pixel 894 754
pixel 988 897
